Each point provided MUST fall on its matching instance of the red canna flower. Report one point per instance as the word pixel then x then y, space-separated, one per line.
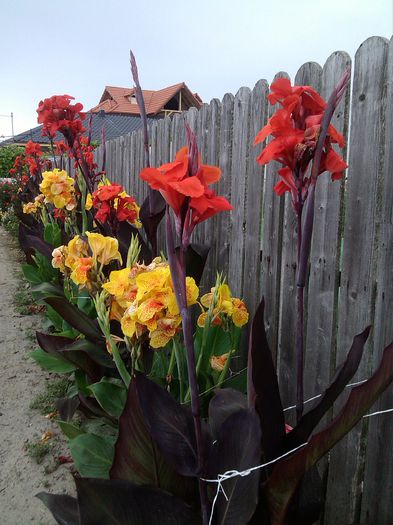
pixel 295 128
pixel 58 114
pixel 106 192
pixel 178 185
pixel 32 148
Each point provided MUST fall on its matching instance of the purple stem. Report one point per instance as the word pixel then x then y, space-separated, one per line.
pixel 178 274
pixel 305 235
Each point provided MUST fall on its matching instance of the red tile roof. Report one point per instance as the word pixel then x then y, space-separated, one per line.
pixel 119 100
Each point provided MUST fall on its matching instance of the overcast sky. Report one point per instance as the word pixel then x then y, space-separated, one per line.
pixel 215 46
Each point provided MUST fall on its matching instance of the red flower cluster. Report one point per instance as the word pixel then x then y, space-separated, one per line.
pixel 58 114
pixel 295 128
pixel 176 185
pixel 114 205
pixel 88 152
pixel 33 149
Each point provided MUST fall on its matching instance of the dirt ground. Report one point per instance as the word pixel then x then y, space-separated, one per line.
pixel 20 381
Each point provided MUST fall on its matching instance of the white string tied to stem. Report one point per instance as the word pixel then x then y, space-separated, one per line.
pixel 229 474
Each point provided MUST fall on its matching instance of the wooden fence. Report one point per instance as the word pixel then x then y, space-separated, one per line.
pixel 351 273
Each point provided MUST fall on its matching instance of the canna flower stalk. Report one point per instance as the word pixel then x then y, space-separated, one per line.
pixel 302 143
pixel 185 186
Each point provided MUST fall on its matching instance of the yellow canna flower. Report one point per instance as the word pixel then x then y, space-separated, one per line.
pixel 89 202
pixel 157 278
pixel 166 329
pixel 240 313
pixel 217 362
pixel 129 320
pixel 104 249
pixel 76 249
pixel 59 257
pixel 81 269
pixel 192 291
pixel 122 287
pixel 59 189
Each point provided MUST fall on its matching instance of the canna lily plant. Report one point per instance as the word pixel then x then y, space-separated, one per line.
pixel 186 448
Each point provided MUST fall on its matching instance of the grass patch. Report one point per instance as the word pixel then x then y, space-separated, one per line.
pixel 22 302
pixel 45 402
pixel 37 451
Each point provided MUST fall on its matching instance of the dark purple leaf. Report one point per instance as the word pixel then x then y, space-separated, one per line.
pixel 97 351
pixel 67 407
pixel 120 502
pixel 75 317
pixel 237 447
pixel 138 459
pixel 225 402
pixel 63 508
pixel 170 425
pixel 196 256
pixel 288 472
pixel 151 213
pixel 342 377
pixel 263 390
pixel 125 231
pixel 57 345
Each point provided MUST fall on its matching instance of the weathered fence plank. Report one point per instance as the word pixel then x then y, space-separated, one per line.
pixel 223 224
pixel 378 477
pixel 325 251
pixel 252 258
pixel 272 222
pixel 240 139
pixel 356 300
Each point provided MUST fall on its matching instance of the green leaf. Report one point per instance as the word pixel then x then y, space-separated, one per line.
pixel 52 234
pixel 51 362
pixel 92 455
pixel 69 430
pixel 31 274
pixel 110 396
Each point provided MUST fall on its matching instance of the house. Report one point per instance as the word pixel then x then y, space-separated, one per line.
pixel 118 113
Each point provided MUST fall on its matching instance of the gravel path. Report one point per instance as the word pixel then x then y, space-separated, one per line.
pixel 20 381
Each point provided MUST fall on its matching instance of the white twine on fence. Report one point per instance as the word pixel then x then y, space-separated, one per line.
pixel 320 395
pixel 243 473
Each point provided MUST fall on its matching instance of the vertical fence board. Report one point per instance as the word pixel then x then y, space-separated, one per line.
pixel 241 135
pixel 325 250
pixel 271 244
pixel 359 253
pixel 378 478
pixel 223 224
pixel 212 158
pixel 252 260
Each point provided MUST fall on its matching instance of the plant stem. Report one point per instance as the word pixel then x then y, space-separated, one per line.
pixel 178 273
pixel 299 329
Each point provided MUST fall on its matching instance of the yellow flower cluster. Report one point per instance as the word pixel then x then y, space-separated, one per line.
pixel 143 300
pixel 224 305
pixel 59 189
pixel 79 257
pixel 33 207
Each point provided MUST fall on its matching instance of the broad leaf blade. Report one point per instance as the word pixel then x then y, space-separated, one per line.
pixel 138 459
pixel 92 455
pixel 63 508
pixel 342 377
pixel 110 396
pixel 51 362
pixel 58 345
pixel 75 317
pixel 225 402
pixel 170 425
pixel 239 451
pixel 119 502
pixel 67 407
pixel 287 474
pixel 263 389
